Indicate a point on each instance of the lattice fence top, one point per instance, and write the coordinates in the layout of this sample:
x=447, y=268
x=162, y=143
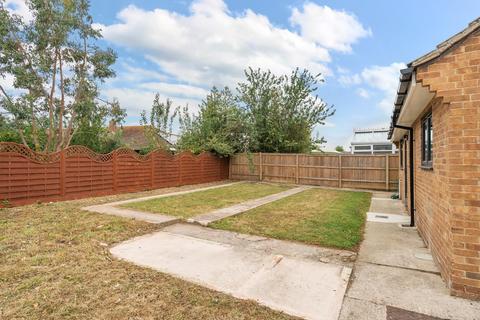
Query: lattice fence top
x=10, y=147
x=82, y=151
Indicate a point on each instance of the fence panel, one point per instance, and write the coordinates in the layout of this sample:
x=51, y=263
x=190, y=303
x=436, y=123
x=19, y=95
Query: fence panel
x=375, y=172
x=77, y=172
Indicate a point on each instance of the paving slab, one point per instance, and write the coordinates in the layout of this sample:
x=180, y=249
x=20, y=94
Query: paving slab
x=394, y=276
x=386, y=205
x=356, y=309
x=421, y=292
x=207, y=218
x=383, y=217
x=266, y=245
x=391, y=245
x=301, y=287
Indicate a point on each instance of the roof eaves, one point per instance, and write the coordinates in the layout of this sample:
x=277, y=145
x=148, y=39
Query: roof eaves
x=406, y=74
x=447, y=44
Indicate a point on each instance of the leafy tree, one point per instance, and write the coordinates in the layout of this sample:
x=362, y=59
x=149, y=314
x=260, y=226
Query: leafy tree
x=158, y=125
x=92, y=131
x=339, y=149
x=282, y=110
x=7, y=131
x=221, y=126
x=56, y=68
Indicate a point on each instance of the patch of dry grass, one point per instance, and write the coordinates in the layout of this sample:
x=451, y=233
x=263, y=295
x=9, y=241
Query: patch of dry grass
x=192, y=204
x=55, y=264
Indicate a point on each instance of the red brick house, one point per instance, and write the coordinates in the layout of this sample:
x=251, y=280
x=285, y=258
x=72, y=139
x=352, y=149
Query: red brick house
x=436, y=126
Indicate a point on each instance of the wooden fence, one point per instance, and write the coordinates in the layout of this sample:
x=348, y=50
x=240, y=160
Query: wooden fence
x=78, y=172
x=375, y=172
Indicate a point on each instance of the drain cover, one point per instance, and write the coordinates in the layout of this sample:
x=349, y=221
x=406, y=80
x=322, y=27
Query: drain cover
x=383, y=217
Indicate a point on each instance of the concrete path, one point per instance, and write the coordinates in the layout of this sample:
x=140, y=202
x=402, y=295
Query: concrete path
x=207, y=218
x=112, y=207
x=285, y=276
x=395, y=277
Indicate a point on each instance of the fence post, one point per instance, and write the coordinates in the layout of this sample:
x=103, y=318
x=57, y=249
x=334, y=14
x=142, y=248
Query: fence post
x=339, y=171
x=152, y=169
x=62, y=173
x=387, y=172
x=230, y=158
x=261, y=166
x=115, y=170
x=296, y=169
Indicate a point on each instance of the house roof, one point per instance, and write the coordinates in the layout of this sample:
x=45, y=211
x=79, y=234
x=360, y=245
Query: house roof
x=407, y=73
x=134, y=137
x=370, y=136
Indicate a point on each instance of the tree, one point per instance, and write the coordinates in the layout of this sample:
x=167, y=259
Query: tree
x=339, y=149
x=56, y=68
x=282, y=110
x=221, y=126
x=158, y=125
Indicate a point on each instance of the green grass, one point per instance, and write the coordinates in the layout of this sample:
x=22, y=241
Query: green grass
x=317, y=216
x=191, y=204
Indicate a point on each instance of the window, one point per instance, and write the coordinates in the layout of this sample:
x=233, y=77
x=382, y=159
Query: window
x=383, y=147
x=368, y=148
x=427, y=146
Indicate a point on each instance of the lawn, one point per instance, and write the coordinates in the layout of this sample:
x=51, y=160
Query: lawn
x=191, y=204
x=55, y=264
x=323, y=217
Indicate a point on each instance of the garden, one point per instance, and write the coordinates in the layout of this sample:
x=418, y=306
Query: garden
x=55, y=251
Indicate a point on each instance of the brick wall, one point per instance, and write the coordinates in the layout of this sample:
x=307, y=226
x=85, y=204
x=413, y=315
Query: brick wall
x=448, y=198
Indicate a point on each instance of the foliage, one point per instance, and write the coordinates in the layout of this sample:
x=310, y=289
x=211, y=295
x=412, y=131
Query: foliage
x=339, y=149
x=282, y=110
x=221, y=126
x=56, y=68
x=158, y=125
x=91, y=130
x=270, y=113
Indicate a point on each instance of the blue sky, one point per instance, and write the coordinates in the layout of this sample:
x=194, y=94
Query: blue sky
x=181, y=48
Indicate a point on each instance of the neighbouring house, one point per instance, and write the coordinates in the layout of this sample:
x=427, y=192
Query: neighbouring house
x=436, y=125
x=136, y=137
x=371, y=141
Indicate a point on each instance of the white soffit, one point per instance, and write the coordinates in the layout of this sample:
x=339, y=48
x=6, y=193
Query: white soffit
x=415, y=103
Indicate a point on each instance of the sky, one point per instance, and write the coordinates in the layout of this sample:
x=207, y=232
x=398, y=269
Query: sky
x=181, y=49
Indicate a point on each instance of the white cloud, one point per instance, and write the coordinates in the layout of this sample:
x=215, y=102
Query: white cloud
x=363, y=93
x=332, y=29
x=7, y=82
x=348, y=80
x=212, y=46
x=20, y=8
x=384, y=78
x=380, y=78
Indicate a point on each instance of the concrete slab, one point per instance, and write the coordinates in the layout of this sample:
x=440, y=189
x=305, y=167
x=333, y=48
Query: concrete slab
x=393, y=269
x=386, y=205
x=300, y=287
x=388, y=244
x=207, y=218
x=266, y=245
x=355, y=309
x=387, y=218
x=412, y=290
x=133, y=214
